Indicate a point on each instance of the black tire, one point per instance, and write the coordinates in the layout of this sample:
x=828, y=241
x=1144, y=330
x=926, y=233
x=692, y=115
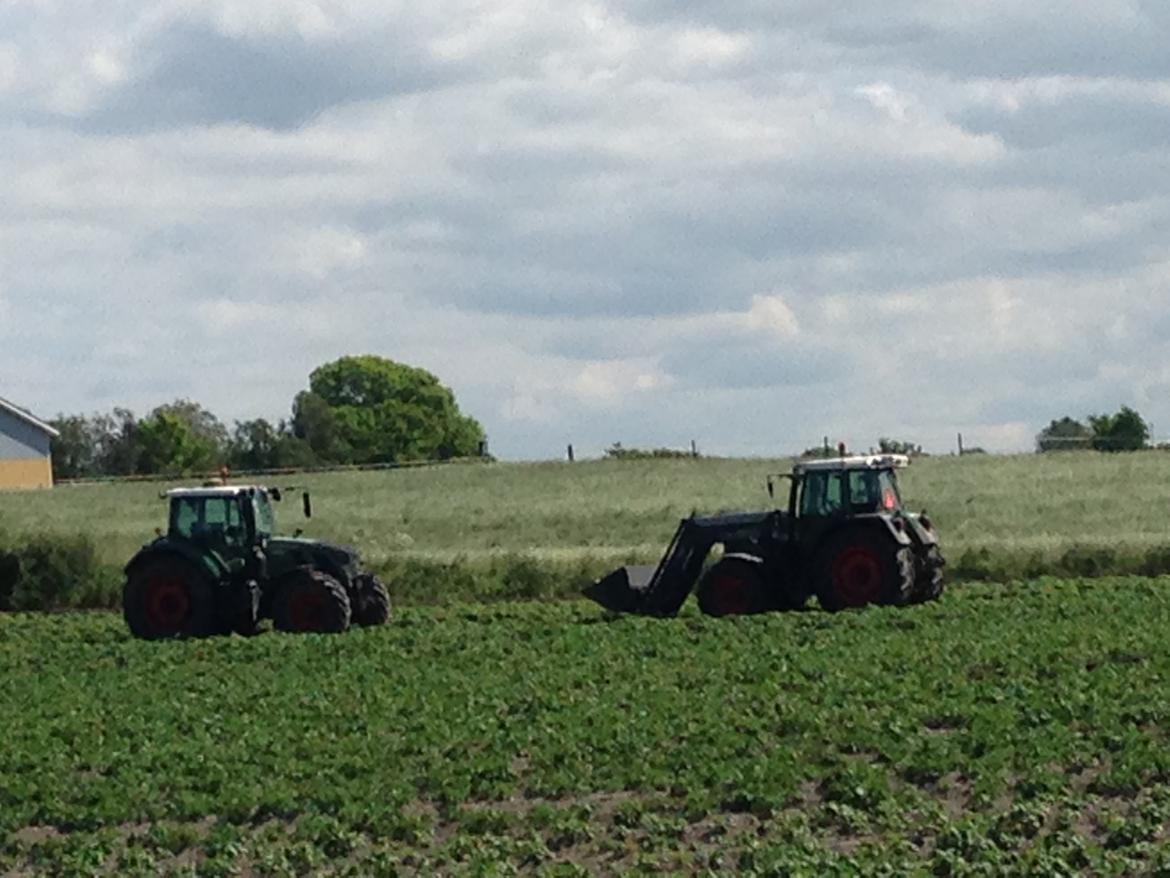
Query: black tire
x=169, y=597
x=862, y=566
x=373, y=601
x=928, y=581
x=734, y=586
x=309, y=601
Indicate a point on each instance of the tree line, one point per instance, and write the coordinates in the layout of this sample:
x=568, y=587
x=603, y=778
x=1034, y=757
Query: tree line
x=1125, y=430
x=357, y=410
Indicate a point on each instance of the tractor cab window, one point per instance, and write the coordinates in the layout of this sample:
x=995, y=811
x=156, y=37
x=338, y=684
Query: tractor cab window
x=265, y=521
x=890, y=499
x=822, y=493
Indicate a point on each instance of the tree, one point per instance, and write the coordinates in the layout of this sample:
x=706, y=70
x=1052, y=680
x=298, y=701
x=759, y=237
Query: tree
x=257, y=445
x=180, y=437
x=1124, y=431
x=74, y=448
x=95, y=445
x=314, y=423
x=1065, y=434
x=384, y=411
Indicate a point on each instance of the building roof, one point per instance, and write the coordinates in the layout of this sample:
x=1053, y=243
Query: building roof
x=27, y=417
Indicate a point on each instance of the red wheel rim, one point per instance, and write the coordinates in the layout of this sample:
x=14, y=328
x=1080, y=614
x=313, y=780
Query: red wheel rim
x=168, y=603
x=731, y=595
x=305, y=608
x=857, y=577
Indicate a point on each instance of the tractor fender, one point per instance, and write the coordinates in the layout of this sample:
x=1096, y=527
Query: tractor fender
x=923, y=535
x=898, y=533
x=210, y=563
x=884, y=522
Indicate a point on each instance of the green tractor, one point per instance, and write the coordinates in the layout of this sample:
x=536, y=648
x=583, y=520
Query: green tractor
x=220, y=568
x=844, y=538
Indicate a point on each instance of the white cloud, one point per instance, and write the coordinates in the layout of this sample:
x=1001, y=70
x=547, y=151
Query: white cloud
x=771, y=314
x=615, y=380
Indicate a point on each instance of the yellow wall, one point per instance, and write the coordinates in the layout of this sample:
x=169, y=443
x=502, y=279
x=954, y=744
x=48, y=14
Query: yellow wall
x=36, y=472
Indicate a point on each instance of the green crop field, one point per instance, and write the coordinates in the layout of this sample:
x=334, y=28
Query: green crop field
x=533, y=530
x=1007, y=729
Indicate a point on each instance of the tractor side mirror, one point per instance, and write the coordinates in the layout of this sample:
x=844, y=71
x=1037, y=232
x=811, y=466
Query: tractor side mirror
x=307, y=504
x=771, y=483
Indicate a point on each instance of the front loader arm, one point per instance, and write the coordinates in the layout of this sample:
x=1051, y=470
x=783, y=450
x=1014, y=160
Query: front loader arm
x=661, y=590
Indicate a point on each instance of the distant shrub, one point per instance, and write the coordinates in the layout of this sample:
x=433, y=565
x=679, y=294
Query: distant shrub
x=896, y=446
x=1065, y=434
x=617, y=452
x=508, y=577
x=1088, y=561
x=48, y=572
x=818, y=452
x=1156, y=561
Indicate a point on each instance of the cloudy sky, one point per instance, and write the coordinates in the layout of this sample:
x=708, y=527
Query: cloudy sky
x=744, y=222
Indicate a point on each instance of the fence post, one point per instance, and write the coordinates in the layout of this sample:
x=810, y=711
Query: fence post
x=960, y=445
x=570, y=452
x=694, y=449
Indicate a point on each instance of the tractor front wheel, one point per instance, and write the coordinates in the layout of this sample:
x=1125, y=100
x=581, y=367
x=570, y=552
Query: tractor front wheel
x=373, y=601
x=857, y=567
x=167, y=597
x=309, y=601
x=732, y=587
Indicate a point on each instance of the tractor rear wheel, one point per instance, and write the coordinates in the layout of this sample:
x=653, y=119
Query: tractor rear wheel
x=858, y=567
x=928, y=583
x=373, y=601
x=168, y=596
x=311, y=601
x=733, y=587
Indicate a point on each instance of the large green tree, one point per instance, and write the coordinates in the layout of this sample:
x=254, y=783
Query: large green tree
x=379, y=411
x=1124, y=431
x=180, y=437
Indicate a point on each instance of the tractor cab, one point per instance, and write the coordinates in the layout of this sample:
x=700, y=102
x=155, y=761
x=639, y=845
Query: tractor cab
x=229, y=520
x=846, y=486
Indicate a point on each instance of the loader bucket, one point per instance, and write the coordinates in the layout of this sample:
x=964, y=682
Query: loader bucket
x=624, y=589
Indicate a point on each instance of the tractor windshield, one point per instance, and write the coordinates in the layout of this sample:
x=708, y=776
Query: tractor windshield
x=212, y=520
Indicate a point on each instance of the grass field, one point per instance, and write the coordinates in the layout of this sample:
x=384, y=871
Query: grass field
x=1005, y=730
x=531, y=530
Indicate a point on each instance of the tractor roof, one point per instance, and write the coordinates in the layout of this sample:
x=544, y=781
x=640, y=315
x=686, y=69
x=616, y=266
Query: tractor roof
x=859, y=461
x=215, y=491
